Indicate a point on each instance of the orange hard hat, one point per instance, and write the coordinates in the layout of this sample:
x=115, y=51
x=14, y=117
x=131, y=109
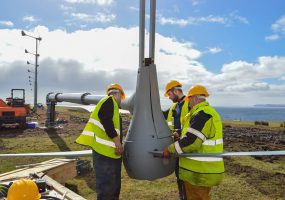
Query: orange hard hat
x=23, y=189
x=171, y=84
x=197, y=90
x=116, y=87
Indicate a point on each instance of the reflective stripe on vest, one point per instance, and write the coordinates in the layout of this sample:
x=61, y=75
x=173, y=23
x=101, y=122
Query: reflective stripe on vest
x=105, y=142
x=177, y=147
x=89, y=133
x=206, y=159
x=99, y=140
x=197, y=133
x=213, y=142
x=97, y=123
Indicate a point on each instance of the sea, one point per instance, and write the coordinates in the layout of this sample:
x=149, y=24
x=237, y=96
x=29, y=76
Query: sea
x=252, y=113
x=274, y=114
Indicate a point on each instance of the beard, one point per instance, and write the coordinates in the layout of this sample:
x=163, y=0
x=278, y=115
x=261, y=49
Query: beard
x=175, y=98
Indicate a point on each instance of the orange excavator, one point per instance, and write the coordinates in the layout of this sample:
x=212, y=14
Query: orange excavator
x=14, y=112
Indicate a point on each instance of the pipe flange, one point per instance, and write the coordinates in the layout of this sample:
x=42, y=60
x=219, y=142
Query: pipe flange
x=83, y=98
x=55, y=97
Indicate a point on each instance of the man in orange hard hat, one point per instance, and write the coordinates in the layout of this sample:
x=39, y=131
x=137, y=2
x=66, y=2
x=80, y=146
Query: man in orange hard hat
x=103, y=133
x=202, y=133
x=174, y=117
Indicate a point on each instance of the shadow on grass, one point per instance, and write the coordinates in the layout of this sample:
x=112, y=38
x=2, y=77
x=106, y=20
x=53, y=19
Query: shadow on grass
x=56, y=139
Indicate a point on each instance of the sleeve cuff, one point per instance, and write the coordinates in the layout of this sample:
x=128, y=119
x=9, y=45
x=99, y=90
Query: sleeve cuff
x=171, y=149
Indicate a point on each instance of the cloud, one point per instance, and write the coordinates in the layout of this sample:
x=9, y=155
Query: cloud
x=279, y=25
x=278, y=28
x=239, y=18
x=196, y=2
x=7, y=23
x=66, y=8
x=134, y=8
x=272, y=37
x=227, y=21
x=99, y=17
x=191, y=20
x=98, y=2
x=214, y=50
x=87, y=61
x=30, y=18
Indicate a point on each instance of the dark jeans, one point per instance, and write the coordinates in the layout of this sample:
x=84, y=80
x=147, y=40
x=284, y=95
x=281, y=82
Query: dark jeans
x=108, y=176
x=180, y=183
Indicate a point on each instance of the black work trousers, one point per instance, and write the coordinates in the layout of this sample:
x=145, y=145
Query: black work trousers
x=180, y=183
x=108, y=176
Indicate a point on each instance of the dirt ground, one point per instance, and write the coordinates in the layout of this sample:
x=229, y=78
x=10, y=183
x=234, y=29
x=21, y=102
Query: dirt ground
x=249, y=138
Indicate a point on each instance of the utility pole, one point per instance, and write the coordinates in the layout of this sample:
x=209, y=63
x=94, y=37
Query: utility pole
x=38, y=39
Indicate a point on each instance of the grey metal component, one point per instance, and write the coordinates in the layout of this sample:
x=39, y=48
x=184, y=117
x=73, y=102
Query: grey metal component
x=141, y=33
x=79, y=98
x=152, y=29
x=250, y=153
x=155, y=153
x=50, y=154
x=148, y=130
x=86, y=99
x=160, y=124
x=145, y=127
x=128, y=103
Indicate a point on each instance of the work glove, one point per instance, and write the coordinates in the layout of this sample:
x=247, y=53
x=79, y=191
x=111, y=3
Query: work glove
x=165, y=153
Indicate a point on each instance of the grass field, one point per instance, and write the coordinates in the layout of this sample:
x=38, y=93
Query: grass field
x=245, y=177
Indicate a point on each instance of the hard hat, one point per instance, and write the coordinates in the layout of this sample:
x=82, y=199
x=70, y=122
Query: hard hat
x=116, y=87
x=198, y=90
x=23, y=189
x=171, y=84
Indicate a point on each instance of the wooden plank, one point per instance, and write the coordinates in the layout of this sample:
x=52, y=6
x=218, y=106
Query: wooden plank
x=35, y=168
x=70, y=195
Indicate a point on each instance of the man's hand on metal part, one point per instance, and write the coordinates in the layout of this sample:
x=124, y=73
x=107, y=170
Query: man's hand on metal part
x=176, y=135
x=118, y=145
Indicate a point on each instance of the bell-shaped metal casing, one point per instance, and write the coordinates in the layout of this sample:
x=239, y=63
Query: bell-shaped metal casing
x=148, y=131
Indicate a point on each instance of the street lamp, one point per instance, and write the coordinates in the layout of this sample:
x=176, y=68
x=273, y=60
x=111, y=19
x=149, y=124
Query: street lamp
x=36, y=67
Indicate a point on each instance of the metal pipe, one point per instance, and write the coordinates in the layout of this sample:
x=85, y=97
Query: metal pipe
x=152, y=30
x=141, y=33
x=78, y=98
x=250, y=153
x=87, y=99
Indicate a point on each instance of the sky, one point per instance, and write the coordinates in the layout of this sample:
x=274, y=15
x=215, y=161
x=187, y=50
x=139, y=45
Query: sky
x=234, y=48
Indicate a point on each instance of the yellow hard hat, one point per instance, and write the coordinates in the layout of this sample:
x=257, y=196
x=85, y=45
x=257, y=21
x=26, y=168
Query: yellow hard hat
x=116, y=87
x=198, y=90
x=23, y=189
x=171, y=84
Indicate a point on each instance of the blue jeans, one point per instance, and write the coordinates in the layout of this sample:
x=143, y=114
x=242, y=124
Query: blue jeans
x=108, y=176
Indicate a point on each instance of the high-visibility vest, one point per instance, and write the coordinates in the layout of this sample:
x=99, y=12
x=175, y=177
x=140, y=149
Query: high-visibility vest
x=204, y=171
x=170, y=118
x=94, y=134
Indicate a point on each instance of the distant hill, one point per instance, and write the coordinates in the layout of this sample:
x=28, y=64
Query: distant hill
x=270, y=105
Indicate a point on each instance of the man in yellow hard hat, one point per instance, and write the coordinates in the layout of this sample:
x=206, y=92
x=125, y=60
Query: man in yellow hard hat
x=103, y=133
x=202, y=133
x=174, y=117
